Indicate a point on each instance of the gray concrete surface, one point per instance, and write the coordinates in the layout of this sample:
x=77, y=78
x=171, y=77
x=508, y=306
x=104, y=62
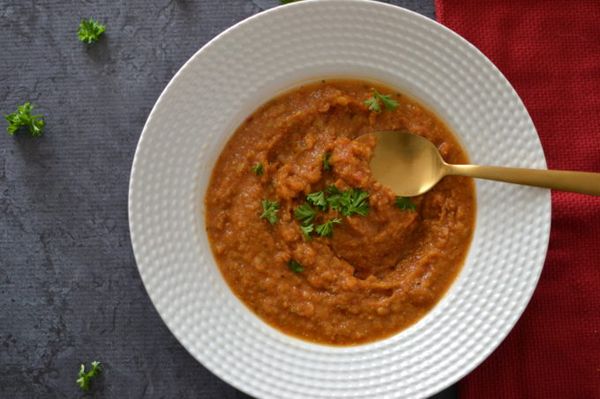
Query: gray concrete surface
x=69, y=288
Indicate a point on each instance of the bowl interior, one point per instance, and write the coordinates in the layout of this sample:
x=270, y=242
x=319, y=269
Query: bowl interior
x=251, y=104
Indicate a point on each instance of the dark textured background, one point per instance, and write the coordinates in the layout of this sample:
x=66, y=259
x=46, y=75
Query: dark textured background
x=69, y=288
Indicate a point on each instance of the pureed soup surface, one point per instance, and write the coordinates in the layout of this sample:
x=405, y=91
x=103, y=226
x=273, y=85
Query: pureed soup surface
x=337, y=267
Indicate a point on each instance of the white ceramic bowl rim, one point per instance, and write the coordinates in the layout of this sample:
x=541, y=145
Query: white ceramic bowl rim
x=250, y=63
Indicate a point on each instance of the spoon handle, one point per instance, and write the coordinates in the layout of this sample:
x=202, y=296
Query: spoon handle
x=563, y=180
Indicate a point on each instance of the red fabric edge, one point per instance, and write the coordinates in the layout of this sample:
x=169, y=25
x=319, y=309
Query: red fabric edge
x=439, y=11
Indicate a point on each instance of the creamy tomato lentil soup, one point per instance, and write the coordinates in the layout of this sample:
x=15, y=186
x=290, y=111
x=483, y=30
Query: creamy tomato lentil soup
x=309, y=241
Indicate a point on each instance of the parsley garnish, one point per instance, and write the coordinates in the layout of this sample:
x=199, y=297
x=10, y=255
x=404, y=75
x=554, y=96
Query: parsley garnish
x=317, y=199
x=350, y=202
x=305, y=214
x=307, y=230
x=374, y=102
x=295, y=266
x=270, y=209
x=258, y=169
x=326, y=229
x=22, y=119
x=326, y=165
x=85, y=378
x=334, y=198
x=405, y=204
x=90, y=31
x=332, y=190
x=388, y=101
x=355, y=201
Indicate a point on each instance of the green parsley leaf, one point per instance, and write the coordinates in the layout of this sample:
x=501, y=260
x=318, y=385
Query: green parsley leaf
x=270, y=209
x=307, y=230
x=85, y=378
x=350, y=202
x=317, y=199
x=326, y=229
x=405, y=203
x=326, y=165
x=333, y=190
x=334, y=197
x=295, y=266
x=90, y=31
x=22, y=119
x=355, y=201
x=374, y=101
x=258, y=169
x=305, y=214
x=387, y=101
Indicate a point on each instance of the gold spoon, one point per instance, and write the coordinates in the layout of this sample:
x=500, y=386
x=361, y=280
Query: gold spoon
x=411, y=165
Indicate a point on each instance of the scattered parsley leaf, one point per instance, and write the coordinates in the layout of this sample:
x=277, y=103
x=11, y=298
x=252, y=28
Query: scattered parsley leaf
x=270, y=209
x=377, y=98
x=373, y=104
x=90, y=31
x=350, y=202
x=405, y=203
x=334, y=197
x=355, y=201
x=22, y=119
x=258, y=169
x=295, y=266
x=305, y=214
x=85, y=378
x=331, y=189
x=317, y=199
x=387, y=101
x=307, y=230
x=326, y=165
x=326, y=229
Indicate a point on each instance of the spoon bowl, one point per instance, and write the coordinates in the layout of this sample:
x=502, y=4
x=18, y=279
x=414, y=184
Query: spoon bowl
x=411, y=165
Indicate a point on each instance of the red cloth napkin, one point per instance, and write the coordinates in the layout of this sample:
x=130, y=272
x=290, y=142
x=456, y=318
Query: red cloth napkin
x=550, y=52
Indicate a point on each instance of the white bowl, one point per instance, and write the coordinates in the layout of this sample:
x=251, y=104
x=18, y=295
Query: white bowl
x=247, y=65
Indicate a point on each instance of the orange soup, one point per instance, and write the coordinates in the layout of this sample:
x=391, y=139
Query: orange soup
x=310, y=241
